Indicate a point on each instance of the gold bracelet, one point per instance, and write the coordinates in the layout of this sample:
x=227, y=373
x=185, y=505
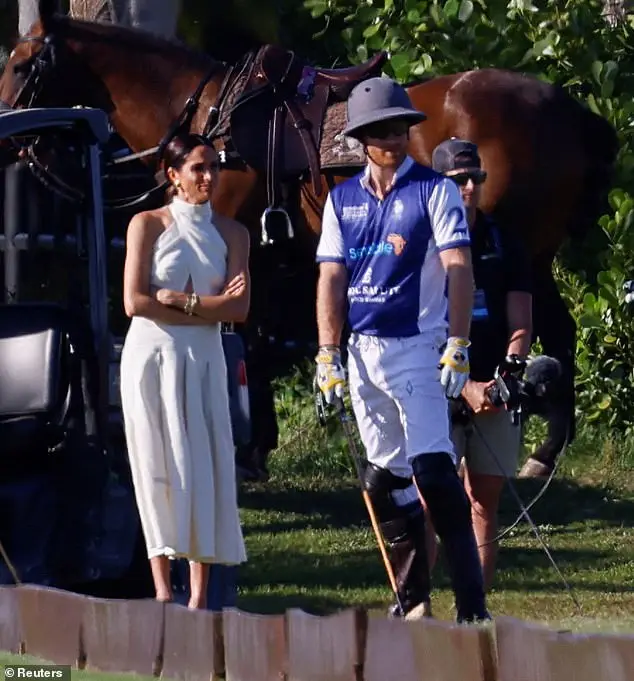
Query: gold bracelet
x=193, y=299
x=188, y=305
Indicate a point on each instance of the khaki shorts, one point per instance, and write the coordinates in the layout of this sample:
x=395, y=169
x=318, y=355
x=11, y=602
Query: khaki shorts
x=501, y=436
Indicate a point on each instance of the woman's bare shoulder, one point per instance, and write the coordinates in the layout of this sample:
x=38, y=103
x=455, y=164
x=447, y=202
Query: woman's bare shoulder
x=150, y=222
x=232, y=231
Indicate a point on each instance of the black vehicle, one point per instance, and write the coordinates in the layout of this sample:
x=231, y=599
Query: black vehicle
x=68, y=517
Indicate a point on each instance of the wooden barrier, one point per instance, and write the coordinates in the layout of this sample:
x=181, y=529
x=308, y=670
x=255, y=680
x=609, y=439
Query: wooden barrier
x=122, y=636
x=335, y=652
x=51, y=622
x=171, y=642
x=192, y=644
x=10, y=628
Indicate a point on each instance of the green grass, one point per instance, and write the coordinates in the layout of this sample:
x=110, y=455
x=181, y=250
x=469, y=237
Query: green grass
x=310, y=544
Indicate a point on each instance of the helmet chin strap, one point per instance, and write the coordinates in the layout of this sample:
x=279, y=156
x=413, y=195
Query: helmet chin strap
x=380, y=164
x=384, y=165
x=374, y=160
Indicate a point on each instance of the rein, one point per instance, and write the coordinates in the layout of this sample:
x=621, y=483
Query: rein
x=46, y=60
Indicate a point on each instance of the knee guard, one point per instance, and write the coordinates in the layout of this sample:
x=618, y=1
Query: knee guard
x=379, y=484
x=403, y=529
x=450, y=512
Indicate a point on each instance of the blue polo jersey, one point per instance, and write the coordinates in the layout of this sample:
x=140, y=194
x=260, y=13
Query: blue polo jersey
x=397, y=285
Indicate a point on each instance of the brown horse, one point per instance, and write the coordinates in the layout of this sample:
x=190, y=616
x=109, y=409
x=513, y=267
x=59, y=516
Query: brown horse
x=549, y=160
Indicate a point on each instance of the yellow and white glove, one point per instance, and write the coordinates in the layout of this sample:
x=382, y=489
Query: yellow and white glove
x=331, y=376
x=454, y=366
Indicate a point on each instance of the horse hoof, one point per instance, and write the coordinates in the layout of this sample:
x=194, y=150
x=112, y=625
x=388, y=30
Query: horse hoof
x=535, y=469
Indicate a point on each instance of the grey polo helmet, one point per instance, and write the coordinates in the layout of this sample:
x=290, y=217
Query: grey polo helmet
x=376, y=100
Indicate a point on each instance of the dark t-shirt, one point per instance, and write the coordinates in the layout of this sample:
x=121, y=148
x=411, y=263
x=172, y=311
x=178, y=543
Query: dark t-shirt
x=500, y=265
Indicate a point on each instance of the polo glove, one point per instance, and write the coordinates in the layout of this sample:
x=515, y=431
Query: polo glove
x=454, y=366
x=331, y=376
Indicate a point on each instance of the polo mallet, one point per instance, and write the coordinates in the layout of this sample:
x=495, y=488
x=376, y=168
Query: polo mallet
x=7, y=560
x=346, y=423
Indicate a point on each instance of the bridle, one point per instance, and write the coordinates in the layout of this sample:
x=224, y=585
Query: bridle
x=46, y=60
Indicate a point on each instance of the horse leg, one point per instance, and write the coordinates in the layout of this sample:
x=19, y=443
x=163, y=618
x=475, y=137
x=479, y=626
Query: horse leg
x=556, y=329
x=252, y=460
x=240, y=194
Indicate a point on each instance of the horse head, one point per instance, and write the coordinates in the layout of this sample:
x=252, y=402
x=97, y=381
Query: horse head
x=43, y=70
x=140, y=81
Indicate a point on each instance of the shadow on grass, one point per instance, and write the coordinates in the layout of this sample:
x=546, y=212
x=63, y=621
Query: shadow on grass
x=564, y=503
x=298, y=570
x=336, y=508
x=518, y=568
x=277, y=604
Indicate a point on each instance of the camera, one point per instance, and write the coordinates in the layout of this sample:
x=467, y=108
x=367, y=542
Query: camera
x=509, y=388
x=526, y=385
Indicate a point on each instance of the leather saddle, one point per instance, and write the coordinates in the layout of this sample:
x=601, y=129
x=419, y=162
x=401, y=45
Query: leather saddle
x=276, y=121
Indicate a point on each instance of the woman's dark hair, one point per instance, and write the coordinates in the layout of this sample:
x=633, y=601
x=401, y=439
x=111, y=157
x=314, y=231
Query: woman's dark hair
x=176, y=153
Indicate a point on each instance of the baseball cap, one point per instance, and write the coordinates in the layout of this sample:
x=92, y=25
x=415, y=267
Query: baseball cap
x=455, y=153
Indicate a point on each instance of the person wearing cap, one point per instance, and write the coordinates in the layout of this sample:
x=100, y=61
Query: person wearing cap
x=485, y=440
x=395, y=251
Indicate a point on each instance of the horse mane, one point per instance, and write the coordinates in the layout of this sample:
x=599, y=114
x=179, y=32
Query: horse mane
x=134, y=39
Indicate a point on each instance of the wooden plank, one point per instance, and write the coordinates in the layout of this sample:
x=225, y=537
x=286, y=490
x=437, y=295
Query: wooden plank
x=522, y=650
x=51, y=623
x=254, y=646
x=445, y=651
x=324, y=648
x=193, y=643
x=10, y=624
x=591, y=657
x=389, y=651
x=123, y=636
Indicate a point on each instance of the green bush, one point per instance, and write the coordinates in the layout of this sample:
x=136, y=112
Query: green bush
x=605, y=344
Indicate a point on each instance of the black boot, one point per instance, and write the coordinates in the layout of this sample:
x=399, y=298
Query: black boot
x=450, y=513
x=405, y=539
x=461, y=551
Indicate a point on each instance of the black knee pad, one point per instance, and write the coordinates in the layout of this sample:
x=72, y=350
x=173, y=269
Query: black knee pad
x=380, y=483
x=443, y=492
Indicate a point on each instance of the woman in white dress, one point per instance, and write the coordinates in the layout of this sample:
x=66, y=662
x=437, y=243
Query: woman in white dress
x=186, y=271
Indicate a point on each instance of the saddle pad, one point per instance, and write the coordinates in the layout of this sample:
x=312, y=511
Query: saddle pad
x=337, y=150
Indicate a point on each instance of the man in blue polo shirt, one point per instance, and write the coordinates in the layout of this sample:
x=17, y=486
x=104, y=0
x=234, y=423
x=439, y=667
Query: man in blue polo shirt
x=395, y=247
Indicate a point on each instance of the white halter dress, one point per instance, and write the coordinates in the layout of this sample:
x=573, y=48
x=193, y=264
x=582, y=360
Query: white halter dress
x=176, y=406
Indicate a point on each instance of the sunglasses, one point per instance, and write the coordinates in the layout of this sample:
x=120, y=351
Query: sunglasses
x=385, y=129
x=476, y=176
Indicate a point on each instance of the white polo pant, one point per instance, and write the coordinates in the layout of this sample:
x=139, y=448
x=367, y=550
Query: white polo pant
x=399, y=404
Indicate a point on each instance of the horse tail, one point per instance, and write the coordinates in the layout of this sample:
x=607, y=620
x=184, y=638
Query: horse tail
x=600, y=141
